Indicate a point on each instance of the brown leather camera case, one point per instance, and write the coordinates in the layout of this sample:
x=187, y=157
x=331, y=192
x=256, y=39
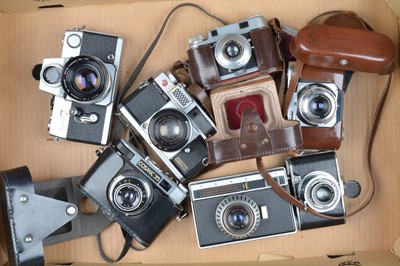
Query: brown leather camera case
x=254, y=138
x=204, y=71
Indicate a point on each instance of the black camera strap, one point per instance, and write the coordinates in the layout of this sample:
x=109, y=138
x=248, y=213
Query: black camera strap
x=127, y=245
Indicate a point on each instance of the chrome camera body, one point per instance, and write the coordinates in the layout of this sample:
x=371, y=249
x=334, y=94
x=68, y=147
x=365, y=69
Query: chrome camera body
x=83, y=83
x=171, y=122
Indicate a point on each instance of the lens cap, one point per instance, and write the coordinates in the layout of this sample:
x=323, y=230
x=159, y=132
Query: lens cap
x=352, y=189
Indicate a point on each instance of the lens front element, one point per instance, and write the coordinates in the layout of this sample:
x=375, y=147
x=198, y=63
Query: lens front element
x=169, y=130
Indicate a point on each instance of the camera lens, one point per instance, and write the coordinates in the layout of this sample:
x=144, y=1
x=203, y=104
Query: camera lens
x=320, y=190
x=86, y=79
x=237, y=216
x=317, y=104
x=169, y=130
x=233, y=51
x=129, y=194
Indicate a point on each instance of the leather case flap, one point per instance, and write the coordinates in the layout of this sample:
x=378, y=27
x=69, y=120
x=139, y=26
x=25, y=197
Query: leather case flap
x=344, y=48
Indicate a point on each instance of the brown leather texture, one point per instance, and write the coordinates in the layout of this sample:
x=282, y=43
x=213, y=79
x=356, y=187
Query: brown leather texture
x=344, y=48
x=341, y=18
x=322, y=138
x=323, y=75
x=266, y=50
x=203, y=67
x=254, y=138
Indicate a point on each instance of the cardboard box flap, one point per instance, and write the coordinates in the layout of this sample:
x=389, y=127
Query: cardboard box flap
x=394, y=5
x=375, y=258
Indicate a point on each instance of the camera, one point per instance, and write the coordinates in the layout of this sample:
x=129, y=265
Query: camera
x=315, y=181
x=317, y=103
x=233, y=53
x=83, y=83
x=132, y=191
x=171, y=122
x=240, y=207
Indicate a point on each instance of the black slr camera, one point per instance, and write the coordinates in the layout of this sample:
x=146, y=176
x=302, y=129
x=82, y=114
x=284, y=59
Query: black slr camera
x=133, y=192
x=240, y=208
x=83, y=84
x=233, y=53
x=315, y=180
x=171, y=122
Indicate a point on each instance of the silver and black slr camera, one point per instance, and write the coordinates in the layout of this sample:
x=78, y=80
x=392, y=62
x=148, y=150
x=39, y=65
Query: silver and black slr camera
x=171, y=122
x=315, y=180
x=132, y=191
x=84, y=83
x=233, y=52
x=240, y=208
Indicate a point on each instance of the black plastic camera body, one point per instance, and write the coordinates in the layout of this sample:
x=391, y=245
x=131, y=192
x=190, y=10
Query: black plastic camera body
x=83, y=83
x=171, y=122
x=315, y=180
x=241, y=207
x=133, y=192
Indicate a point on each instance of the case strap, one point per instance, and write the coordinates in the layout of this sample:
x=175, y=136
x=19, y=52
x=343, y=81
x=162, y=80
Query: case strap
x=294, y=79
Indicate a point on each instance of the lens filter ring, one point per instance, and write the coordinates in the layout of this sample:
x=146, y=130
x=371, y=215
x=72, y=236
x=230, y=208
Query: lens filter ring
x=169, y=130
x=320, y=191
x=237, y=216
x=86, y=79
x=233, y=51
x=129, y=194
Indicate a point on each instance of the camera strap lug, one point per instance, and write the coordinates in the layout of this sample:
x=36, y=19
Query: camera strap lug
x=184, y=213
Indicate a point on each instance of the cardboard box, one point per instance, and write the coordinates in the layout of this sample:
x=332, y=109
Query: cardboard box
x=29, y=34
